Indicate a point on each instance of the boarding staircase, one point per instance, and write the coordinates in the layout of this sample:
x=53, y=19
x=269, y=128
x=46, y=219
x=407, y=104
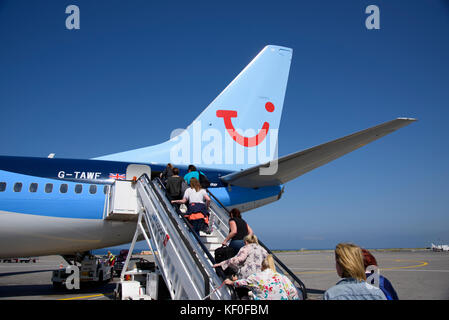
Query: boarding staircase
x=222, y=214
x=183, y=258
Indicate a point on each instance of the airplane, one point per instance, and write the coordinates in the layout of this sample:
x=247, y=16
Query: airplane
x=55, y=206
x=440, y=247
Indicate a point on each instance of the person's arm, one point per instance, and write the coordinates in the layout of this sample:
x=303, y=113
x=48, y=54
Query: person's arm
x=207, y=198
x=250, y=231
x=184, y=200
x=232, y=232
x=235, y=261
x=230, y=282
x=251, y=282
x=389, y=288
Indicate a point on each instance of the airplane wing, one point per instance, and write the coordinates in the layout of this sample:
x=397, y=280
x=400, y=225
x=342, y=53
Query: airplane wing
x=299, y=163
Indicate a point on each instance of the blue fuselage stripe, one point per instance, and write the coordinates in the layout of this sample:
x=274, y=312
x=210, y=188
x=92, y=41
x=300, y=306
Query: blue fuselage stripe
x=82, y=205
x=85, y=205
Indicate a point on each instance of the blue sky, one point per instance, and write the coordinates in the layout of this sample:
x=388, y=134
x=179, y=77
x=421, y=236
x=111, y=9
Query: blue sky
x=138, y=69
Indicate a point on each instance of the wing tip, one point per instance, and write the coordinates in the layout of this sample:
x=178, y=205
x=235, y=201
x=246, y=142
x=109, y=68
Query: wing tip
x=407, y=119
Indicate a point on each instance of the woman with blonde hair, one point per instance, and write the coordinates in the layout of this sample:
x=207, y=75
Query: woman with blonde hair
x=267, y=284
x=249, y=258
x=350, y=267
x=247, y=261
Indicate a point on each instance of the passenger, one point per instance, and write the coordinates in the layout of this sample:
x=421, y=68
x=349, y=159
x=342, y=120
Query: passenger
x=350, y=267
x=198, y=208
x=167, y=173
x=248, y=260
x=267, y=284
x=238, y=229
x=192, y=172
x=175, y=186
x=384, y=283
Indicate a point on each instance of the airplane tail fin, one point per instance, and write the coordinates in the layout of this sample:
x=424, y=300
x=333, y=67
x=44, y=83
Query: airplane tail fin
x=255, y=96
x=238, y=129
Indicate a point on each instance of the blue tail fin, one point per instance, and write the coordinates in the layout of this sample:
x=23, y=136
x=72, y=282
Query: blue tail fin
x=238, y=129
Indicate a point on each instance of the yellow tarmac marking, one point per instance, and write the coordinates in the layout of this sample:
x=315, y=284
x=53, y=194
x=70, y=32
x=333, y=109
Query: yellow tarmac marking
x=86, y=297
x=422, y=264
x=315, y=272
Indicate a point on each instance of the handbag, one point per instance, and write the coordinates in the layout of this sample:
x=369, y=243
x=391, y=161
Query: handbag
x=183, y=208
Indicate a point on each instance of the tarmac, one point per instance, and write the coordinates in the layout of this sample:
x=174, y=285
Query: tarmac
x=416, y=274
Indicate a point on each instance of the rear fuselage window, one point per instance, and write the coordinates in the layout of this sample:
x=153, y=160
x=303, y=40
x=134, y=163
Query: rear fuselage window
x=33, y=187
x=64, y=187
x=93, y=189
x=105, y=189
x=78, y=188
x=49, y=188
x=17, y=187
x=2, y=186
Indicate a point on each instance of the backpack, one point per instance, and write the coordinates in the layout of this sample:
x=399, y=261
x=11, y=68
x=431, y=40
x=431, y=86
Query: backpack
x=224, y=253
x=204, y=182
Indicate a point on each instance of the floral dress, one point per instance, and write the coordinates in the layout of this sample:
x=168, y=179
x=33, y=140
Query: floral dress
x=249, y=260
x=269, y=285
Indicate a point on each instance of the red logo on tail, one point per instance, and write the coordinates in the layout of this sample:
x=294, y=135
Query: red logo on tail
x=227, y=115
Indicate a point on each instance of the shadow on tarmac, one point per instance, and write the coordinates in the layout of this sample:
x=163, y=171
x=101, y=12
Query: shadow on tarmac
x=47, y=290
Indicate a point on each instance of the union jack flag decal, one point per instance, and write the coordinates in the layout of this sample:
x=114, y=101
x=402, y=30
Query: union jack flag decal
x=117, y=176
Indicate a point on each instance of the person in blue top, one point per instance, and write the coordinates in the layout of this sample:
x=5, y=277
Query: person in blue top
x=384, y=284
x=192, y=172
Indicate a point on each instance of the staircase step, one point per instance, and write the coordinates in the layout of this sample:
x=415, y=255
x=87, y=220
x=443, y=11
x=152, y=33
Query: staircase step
x=207, y=239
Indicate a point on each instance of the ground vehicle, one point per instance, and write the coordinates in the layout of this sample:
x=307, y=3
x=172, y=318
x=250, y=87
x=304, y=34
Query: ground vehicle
x=91, y=269
x=142, y=282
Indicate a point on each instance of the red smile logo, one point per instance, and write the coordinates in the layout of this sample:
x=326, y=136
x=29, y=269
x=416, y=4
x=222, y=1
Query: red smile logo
x=227, y=115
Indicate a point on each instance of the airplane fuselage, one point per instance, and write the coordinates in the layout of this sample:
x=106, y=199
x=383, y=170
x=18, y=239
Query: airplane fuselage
x=58, y=206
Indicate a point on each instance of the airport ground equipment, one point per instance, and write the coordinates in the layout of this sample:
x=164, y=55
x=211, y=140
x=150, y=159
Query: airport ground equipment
x=91, y=269
x=183, y=260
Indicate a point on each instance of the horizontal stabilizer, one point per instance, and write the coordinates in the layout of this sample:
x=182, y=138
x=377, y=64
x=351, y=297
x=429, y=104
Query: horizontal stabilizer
x=299, y=163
